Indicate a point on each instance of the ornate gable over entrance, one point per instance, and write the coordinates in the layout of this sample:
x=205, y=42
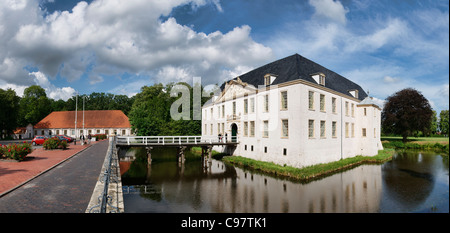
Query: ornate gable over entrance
x=235, y=88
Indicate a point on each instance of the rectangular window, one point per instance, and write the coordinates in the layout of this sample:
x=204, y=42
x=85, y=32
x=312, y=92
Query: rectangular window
x=267, y=80
x=284, y=151
x=252, y=128
x=322, y=103
x=322, y=80
x=211, y=129
x=218, y=128
x=285, y=125
x=333, y=104
x=266, y=103
x=322, y=129
x=65, y=132
x=245, y=129
x=265, y=149
x=311, y=100
x=212, y=116
x=245, y=106
x=353, y=130
x=346, y=108
x=333, y=129
x=364, y=132
x=251, y=147
x=284, y=103
x=311, y=129
x=252, y=105
x=266, y=129
x=223, y=110
x=374, y=132
x=123, y=132
x=346, y=129
x=223, y=128
x=353, y=110
x=234, y=108
x=365, y=112
x=245, y=147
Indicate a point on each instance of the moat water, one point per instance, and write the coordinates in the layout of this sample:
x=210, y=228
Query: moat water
x=411, y=182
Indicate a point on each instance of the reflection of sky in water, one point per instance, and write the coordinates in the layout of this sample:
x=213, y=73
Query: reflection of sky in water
x=410, y=183
x=415, y=182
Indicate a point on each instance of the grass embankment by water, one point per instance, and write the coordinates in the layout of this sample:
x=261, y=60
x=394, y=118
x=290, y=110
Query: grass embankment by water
x=438, y=144
x=310, y=172
x=306, y=173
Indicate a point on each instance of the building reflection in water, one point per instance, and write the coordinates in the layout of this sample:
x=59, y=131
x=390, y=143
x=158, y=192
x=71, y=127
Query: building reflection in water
x=222, y=188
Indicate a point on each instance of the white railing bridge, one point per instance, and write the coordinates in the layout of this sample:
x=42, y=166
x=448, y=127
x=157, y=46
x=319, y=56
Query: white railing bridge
x=175, y=140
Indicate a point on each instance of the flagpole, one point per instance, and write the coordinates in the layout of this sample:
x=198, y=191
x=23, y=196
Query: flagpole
x=76, y=110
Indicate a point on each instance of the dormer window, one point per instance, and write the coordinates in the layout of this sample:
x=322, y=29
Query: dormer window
x=319, y=78
x=354, y=93
x=268, y=79
x=322, y=80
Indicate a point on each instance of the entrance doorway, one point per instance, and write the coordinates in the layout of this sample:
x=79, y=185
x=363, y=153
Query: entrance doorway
x=234, y=132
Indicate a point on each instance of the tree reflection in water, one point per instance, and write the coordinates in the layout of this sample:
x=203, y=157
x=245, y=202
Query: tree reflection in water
x=402, y=185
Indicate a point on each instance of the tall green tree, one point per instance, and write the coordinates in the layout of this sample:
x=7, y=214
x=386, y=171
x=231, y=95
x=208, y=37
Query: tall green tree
x=405, y=112
x=151, y=111
x=444, y=122
x=9, y=110
x=434, y=123
x=34, y=105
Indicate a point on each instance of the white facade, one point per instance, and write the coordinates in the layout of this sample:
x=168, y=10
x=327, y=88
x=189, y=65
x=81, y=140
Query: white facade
x=292, y=128
x=72, y=133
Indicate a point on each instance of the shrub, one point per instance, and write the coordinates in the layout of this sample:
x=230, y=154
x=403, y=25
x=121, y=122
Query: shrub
x=15, y=151
x=99, y=136
x=54, y=143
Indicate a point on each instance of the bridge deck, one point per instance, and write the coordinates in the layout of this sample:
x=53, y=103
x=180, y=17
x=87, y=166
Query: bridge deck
x=176, y=141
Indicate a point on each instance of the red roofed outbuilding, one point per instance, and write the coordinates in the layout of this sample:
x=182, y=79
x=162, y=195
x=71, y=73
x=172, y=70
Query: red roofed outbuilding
x=95, y=122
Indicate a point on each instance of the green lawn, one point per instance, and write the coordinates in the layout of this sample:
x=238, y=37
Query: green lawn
x=443, y=140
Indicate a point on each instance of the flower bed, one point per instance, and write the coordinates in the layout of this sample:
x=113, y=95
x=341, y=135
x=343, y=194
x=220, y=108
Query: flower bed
x=55, y=143
x=16, y=152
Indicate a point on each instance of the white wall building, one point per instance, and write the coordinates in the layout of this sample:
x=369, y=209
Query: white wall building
x=93, y=122
x=294, y=112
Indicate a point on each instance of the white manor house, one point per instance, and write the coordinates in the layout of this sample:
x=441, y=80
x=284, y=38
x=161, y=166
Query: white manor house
x=294, y=112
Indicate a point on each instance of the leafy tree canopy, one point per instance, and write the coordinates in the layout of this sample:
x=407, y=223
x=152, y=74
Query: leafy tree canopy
x=405, y=112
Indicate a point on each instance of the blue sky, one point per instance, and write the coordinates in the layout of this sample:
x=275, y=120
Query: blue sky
x=118, y=46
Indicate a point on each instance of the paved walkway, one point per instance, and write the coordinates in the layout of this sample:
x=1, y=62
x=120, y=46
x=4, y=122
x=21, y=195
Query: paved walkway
x=64, y=183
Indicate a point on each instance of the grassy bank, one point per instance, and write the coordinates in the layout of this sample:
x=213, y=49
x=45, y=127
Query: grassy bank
x=311, y=172
x=419, y=143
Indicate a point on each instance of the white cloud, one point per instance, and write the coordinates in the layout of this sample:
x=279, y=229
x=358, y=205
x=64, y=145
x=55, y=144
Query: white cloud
x=122, y=36
x=330, y=9
x=52, y=92
x=389, y=79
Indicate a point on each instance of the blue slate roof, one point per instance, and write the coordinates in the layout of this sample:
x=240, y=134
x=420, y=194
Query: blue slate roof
x=298, y=67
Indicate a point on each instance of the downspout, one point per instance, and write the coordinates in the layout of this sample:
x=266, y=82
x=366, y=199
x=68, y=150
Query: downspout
x=342, y=126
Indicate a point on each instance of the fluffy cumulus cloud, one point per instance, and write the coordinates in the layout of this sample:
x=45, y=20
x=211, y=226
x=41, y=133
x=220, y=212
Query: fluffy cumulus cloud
x=110, y=37
x=53, y=92
x=329, y=9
